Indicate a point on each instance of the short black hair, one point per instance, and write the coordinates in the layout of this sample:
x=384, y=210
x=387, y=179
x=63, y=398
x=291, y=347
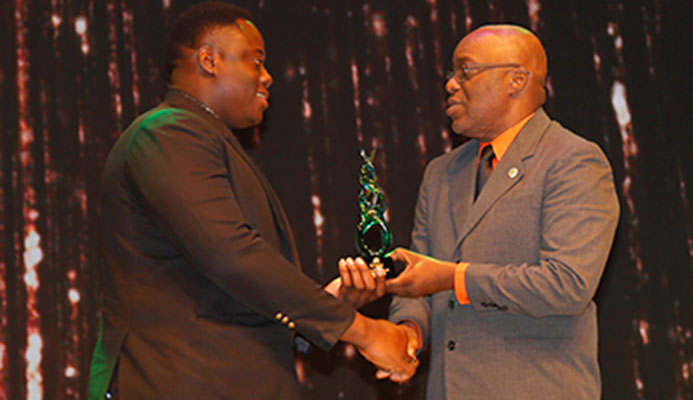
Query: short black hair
x=196, y=21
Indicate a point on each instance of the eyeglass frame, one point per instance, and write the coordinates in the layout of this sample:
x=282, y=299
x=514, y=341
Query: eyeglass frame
x=483, y=67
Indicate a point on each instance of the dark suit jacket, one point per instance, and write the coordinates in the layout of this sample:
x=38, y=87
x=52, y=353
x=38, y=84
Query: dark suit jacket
x=202, y=282
x=537, y=239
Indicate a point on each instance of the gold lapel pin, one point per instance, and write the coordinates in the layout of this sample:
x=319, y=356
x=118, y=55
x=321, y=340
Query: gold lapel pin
x=512, y=172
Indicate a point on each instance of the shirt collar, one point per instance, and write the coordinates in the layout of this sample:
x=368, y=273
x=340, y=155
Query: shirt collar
x=501, y=143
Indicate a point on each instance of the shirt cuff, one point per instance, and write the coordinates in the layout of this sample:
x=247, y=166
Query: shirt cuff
x=460, y=287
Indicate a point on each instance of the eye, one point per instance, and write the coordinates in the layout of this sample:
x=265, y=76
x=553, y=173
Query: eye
x=258, y=63
x=464, y=72
x=460, y=74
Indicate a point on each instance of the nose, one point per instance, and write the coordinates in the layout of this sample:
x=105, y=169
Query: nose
x=266, y=78
x=451, y=86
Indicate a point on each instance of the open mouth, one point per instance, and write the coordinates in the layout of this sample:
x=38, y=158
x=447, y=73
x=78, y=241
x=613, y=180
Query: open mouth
x=262, y=95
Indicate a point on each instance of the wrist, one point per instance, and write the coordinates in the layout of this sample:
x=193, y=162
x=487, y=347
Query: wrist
x=359, y=331
x=451, y=269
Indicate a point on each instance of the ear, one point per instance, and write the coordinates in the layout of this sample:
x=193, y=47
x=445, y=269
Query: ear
x=206, y=58
x=519, y=79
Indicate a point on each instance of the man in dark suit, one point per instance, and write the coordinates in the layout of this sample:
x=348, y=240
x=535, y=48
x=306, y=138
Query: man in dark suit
x=203, y=291
x=511, y=235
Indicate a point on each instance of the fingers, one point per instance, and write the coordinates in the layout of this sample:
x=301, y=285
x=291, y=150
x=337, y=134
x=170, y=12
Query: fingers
x=358, y=275
x=380, y=288
x=399, y=377
x=406, y=370
x=408, y=282
x=344, y=273
x=382, y=374
x=334, y=287
x=358, y=283
x=398, y=286
x=365, y=274
x=399, y=254
x=412, y=347
x=414, y=340
x=401, y=363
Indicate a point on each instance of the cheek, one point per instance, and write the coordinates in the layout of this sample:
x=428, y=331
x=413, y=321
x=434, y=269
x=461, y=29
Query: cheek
x=241, y=82
x=483, y=99
x=475, y=100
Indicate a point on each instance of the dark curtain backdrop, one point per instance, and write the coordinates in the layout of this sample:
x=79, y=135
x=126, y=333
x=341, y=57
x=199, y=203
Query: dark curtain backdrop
x=348, y=74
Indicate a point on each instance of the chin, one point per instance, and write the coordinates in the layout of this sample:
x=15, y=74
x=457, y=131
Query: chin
x=249, y=122
x=257, y=120
x=459, y=129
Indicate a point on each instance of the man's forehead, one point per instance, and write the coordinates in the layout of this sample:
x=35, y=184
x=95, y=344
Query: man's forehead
x=243, y=31
x=242, y=27
x=485, y=42
x=246, y=25
x=470, y=48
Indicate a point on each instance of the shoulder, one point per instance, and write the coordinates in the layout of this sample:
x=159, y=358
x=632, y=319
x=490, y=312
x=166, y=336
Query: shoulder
x=567, y=155
x=559, y=148
x=165, y=134
x=558, y=137
x=165, y=118
x=166, y=126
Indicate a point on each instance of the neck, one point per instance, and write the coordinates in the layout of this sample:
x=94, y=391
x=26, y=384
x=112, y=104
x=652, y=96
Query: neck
x=196, y=98
x=516, y=115
x=508, y=122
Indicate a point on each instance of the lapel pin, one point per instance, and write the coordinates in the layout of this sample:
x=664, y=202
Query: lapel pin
x=512, y=172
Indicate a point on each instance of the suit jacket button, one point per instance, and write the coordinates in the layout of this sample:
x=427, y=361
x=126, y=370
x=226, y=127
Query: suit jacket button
x=503, y=308
x=451, y=345
x=451, y=304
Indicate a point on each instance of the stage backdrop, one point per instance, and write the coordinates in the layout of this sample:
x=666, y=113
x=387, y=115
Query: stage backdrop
x=347, y=75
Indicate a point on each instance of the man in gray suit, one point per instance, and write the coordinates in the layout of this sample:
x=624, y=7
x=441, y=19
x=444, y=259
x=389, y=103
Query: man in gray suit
x=511, y=234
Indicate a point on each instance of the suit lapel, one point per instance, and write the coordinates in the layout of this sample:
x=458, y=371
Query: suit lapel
x=507, y=174
x=461, y=180
x=278, y=214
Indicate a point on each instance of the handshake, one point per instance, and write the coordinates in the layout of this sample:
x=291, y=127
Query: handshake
x=390, y=347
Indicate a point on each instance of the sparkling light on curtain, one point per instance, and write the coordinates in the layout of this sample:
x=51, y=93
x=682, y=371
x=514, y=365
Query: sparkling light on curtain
x=347, y=75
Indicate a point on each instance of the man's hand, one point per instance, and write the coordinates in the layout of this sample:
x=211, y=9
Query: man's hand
x=391, y=348
x=413, y=346
x=357, y=284
x=422, y=276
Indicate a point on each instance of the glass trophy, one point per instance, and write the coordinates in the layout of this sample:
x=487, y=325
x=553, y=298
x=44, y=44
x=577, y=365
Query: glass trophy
x=373, y=236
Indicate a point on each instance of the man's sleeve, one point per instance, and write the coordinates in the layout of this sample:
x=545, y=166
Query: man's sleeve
x=176, y=167
x=579, y=216
x=416, y=310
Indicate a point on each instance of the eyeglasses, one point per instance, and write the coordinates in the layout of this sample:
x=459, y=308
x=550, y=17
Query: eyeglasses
x=464, y=73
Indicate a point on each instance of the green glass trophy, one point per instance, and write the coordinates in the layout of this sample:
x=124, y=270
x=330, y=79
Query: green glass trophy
x=373, y=235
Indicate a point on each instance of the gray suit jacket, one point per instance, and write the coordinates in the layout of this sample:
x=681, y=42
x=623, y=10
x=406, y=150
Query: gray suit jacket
x=537, y=239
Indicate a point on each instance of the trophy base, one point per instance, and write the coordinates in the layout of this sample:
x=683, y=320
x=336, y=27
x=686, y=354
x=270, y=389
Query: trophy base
x=392, y=268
